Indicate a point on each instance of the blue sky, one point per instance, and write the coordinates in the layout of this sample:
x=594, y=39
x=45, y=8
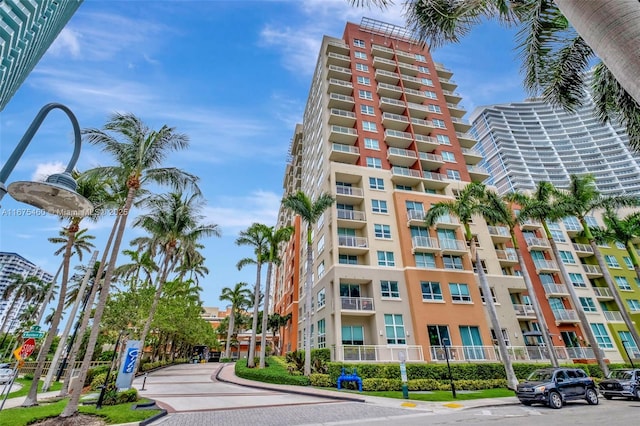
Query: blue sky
x=233, y=75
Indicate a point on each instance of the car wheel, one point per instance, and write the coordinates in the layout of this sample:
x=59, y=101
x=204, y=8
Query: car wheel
x=637, y=393
x=591, y=396
x=608, y=397
x=555, y=400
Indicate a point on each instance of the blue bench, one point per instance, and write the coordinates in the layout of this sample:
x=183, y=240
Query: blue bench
x=349, y=377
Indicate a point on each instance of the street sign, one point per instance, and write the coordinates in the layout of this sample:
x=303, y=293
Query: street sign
x=28, y=347
x=33, y=333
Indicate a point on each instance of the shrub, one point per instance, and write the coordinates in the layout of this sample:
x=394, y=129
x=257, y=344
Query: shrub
x=321, y=380
x=274, y=373
x=323, y=354
x=423, y=384
x=295, y=361
x=92, y=372
x=373, y=385
x=130, y=395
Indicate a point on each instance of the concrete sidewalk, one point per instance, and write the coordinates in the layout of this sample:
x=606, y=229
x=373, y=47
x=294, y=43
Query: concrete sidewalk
x=16, y=402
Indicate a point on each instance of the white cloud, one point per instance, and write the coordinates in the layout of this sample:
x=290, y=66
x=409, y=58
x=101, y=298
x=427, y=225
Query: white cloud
x=234, y=214
x=44, y=170
x=67, y=43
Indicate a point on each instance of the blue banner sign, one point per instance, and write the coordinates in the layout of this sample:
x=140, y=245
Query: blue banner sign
x=127, y=367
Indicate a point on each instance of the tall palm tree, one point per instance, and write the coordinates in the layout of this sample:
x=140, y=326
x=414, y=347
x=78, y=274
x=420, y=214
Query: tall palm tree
x=310, y=212
x=275, y=238
x=239, y=298
x=468, y=203
x=139, y=155
x=174, y=223
x=255, y=236
x=542, y=207
x=22, y=288
x=276, y=322
x=579, y=200
x=141, y=261
x=498, y=210
x=621, y=230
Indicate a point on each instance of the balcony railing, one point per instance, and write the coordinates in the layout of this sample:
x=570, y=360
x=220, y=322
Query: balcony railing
x=349, y=241
x=499, y=231
x=457, y=245
x=565, y=315
x=463, y=353
x=357, y=304
x=507, y=254
x=545, y=264
x=516, y=353
x=603, y=292
x=403, y=171
x=377, y=353
x=537, y=242
x=348, y=190
x=401, y=152
x=415, y=214
x=524, y=310
x=613, y=316
x=584, y=248
x=350, y=214
x=555, y=288
x=424, y=242
x=592, y=269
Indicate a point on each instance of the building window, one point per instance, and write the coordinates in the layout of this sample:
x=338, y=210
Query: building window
x=628, y=262
x=443, y=139
x=453, y=175
x=394, y=327
x=322, y=338
x=434, y=108
x=369, y=126
x=592, y=222
x=601, y=335
x=452, y=262
x=404, y=187
x=577, y=280
x=364, y=80
x=425, y=260
x=424, y=69
x=612, y=262
x=385, y=258
x=358, y=43
x=427, y=81
x=382, y=231
x=321, y=244
x=448, y=156
x=567, y=257
x=587, y=304
x=367, y=109
x=371, y=143
x=352, y=335
x=322, y=299
x=493, y=296
x=376, y=183
x=620, y=245
x=431, y=291
x=627, y=340
x=374, y=162
x=420, y=58
x=389, y=289
x=348, y=259
x=365, y=94
x=505, y=336
x=459, y=292
x=359, y=55
x=634, y=305
x=623, y=284
x=438, y=123
x=430, y=94
x=379, y=206
x=362, y=67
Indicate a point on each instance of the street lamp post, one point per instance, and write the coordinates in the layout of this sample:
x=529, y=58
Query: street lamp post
x=57, y=195
x=113, y=358
x=624, y=345
x=446, y=355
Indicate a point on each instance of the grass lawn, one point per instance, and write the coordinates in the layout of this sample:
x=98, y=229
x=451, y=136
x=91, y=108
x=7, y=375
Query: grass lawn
x=26, y=384
x=442, y=395
x=112, y=414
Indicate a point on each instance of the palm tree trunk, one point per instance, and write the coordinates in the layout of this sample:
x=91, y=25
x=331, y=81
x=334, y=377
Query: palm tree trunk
x=265, y=314
x=254, y=327
x=308, y=288
x=75, y=348
x=612, y=30
x=32, y=397
x=232, y=320
x=47, y=298
x=575, y=300
x=72, y=406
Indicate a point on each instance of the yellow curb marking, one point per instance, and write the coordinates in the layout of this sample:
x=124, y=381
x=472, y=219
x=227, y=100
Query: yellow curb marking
x=453, y=405
x=408, y=404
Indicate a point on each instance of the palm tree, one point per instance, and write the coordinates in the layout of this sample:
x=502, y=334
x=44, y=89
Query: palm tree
x=174, y=223
x=468, y=203
x=497, y=210
x=139, y=156
x=239, y=298
x=302, y=205
x=541, y=206
x=579, y=201
x=23, y=289
x=255, y=236
x=620, y=230
x=276, y=322
x=274, y=240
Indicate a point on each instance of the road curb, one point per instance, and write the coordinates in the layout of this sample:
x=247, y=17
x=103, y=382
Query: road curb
x=152, y=419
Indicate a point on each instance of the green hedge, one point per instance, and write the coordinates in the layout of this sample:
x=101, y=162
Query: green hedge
x=275, y=372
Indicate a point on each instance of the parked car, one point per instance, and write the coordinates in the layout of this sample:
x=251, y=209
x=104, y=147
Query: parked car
x=6, y=374
x=555, y=386
x=624, y=382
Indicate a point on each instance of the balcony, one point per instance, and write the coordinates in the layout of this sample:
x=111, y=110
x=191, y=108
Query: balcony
x=613, y=316
x=602, y=293
x=443, y=71
x=546, y=265
x=340, y=117
x=424, y=245
x=507, y=257
x=395, y=121
x=499, y=234
x=397, y=138
x=408, y=69
x=456, y=110
x=422, y=126
x=529, y=225
x=447, y=84
x=447, y=222
x=340, y=73
x=460, y=125
x=411, y=82
x=433, y=180
x=566, y=316
x=405, y=57
x=463, y=353
x=381, y=51
x=426, y=143
x=592, y=271
x=415, y=217
x=555, y=290
x=343, y=102
x=572, y=227
x=338, y=59
x=471, y=156
x=524, y=311
x=453, y=97
x=344, y=135
x=583, y=250
x=454, y=247
x=478, y=173
x=431, y=162
x=350, y=218
x=417, y=110
x=401, y=157
x=380, y=63
x=391, y=105
x=349, y=195
x=466, y=140
x=377, y=353
x=383, y=76
x=414, y=95
x=405, y=176
x=348, y=244
x=389, y=91
x=357, y=305
x=537, y=243
x=337, y=47
x=340, y=86
x=344, y=153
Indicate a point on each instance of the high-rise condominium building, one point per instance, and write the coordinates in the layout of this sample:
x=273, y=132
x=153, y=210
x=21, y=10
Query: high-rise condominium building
x=383, y=133
x=527, y=142
x=10, y=264
x=27, y=29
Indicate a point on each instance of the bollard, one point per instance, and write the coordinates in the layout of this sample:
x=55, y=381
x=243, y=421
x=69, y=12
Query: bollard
x=144, y=381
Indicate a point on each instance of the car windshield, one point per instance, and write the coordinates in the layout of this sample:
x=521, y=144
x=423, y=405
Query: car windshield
x=620, y=375
x=540, y=376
